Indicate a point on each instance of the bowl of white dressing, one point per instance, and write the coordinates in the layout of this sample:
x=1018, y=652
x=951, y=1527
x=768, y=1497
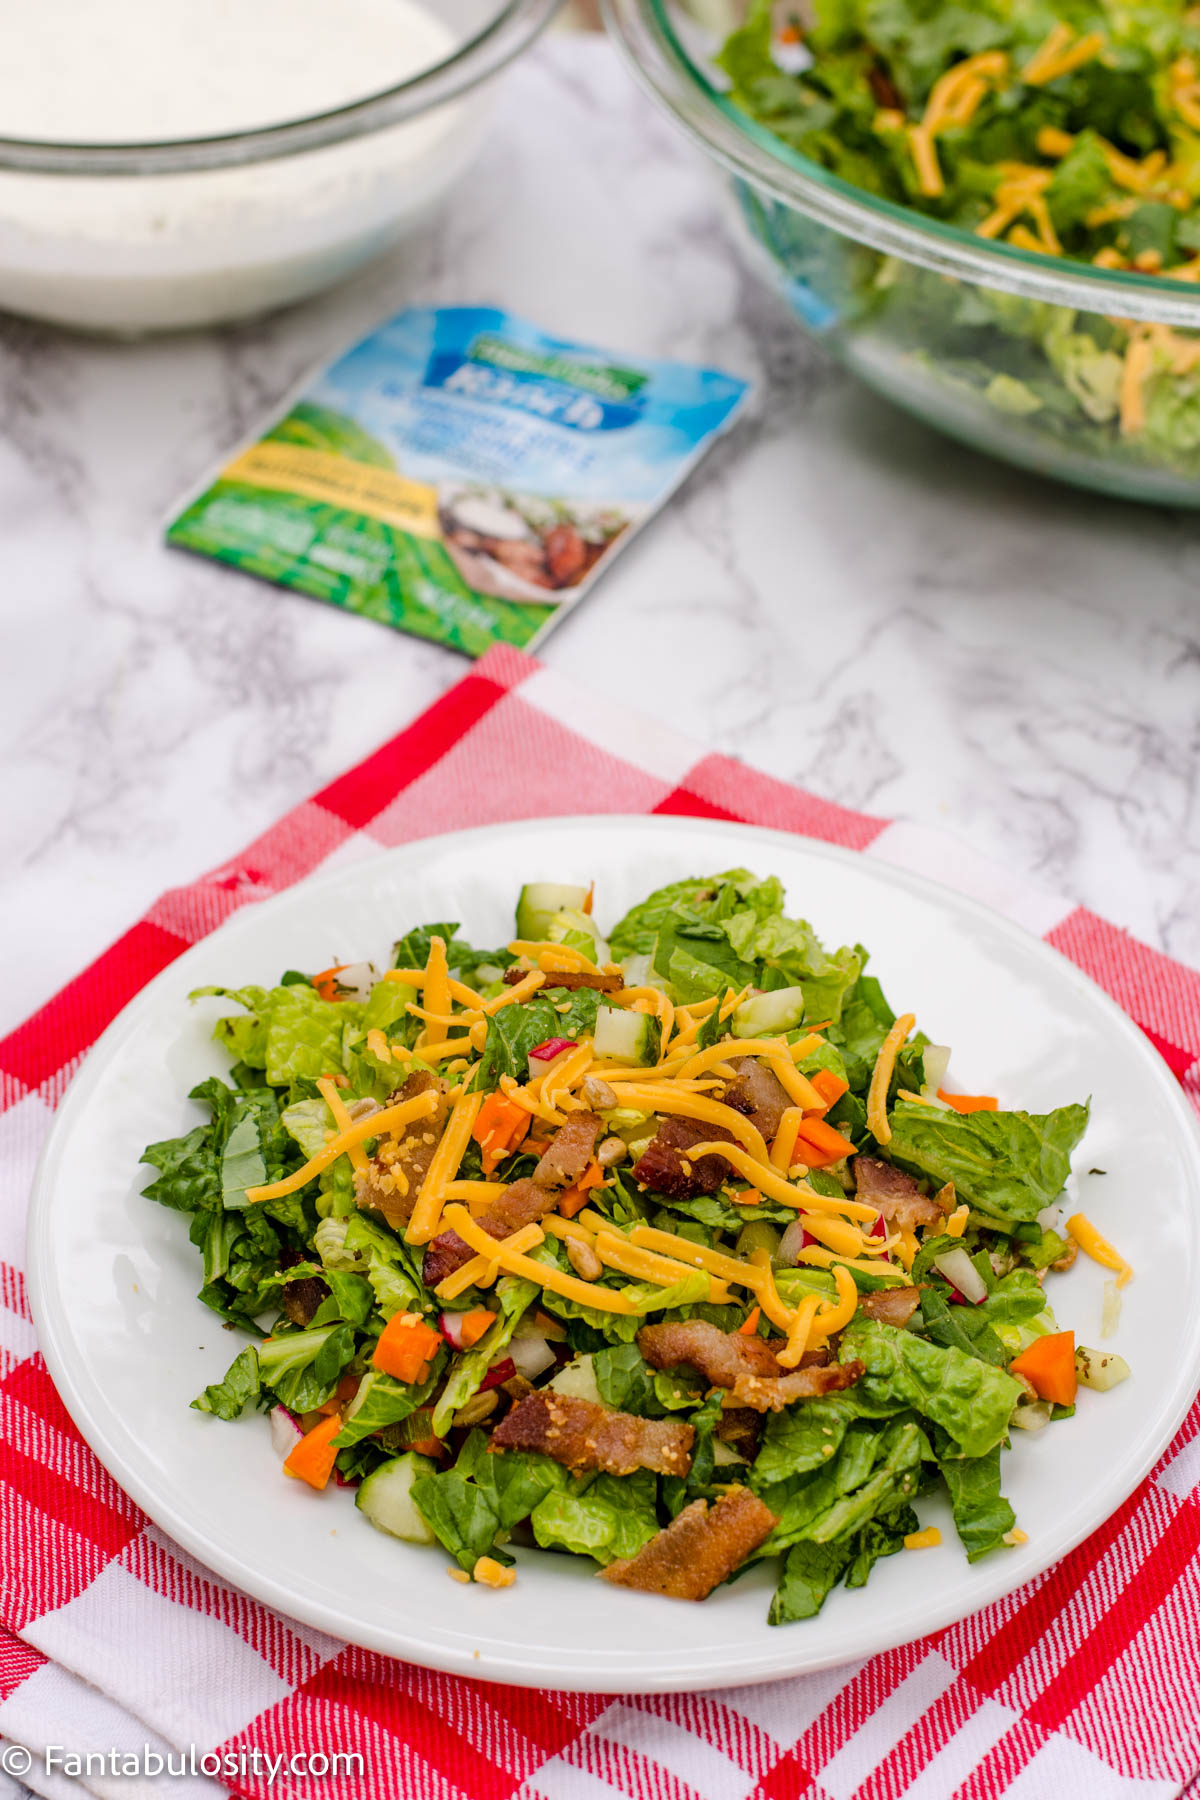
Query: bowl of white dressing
x=173, y=163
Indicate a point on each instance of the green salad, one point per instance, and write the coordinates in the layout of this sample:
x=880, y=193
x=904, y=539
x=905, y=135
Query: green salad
x=673, y=1250
x=1071, y=130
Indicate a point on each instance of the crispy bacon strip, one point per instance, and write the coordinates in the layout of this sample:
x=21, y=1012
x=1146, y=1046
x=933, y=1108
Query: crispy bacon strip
x=521, y=1204
x=896, y=1195
x=721, y=1357
x=747, y=1366
x=570, y=979
x=891, y=1305
x=526, y=1200
x=698, y=1550
x=772, y=1394
x=570, y=1151
x=409, y=1153
x=666, y=1167
x=585, y=1436
x=758, y=1094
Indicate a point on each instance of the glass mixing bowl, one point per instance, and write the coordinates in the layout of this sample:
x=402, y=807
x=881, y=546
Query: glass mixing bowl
x=129, y=238
x=1089, y=375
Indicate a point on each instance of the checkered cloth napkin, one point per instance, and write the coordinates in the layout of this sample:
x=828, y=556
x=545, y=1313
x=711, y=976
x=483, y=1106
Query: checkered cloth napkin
x=1083, y=1685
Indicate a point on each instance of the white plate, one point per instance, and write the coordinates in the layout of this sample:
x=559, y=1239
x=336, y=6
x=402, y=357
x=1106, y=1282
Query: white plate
x=114, y=1277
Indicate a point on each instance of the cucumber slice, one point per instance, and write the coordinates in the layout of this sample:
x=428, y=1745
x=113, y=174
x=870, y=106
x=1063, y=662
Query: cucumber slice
x=386, y=1497
x=630, y=1037
x=769, y=1014
x=578, y=931
x=538, y=903
x=577, y=1379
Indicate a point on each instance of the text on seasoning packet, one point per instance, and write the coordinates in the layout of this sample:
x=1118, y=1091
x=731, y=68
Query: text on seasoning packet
x=460, y=475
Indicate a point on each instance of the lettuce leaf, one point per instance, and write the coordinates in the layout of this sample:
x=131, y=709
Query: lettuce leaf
x=982, y=1515
x=514, y=1031
x=971, y=1400
x=513, y=1480
x=612, y=1518
x=302, y=1368
x=461, y=1516
x=290, y=1032
x=238, y=1387
x=1008, y=1165
x=382, y=1400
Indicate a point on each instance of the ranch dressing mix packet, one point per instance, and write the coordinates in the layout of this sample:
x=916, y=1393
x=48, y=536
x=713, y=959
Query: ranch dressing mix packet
x=460, y=475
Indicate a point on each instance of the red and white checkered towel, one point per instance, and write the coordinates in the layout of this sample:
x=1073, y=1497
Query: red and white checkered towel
x=1084, y=1685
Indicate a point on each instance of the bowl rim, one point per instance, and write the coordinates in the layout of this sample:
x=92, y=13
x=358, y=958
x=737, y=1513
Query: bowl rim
x=666, y=69
x=505, y=36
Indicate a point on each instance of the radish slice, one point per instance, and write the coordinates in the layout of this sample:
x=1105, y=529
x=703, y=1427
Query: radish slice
x=531, y=1354
x=962, y=1274
x=935, y=1060
x=450, y=1324
x=356, y=980
x=1049, y=1216
x=504, y=1370
x=285, y=1431
x=551, y=1048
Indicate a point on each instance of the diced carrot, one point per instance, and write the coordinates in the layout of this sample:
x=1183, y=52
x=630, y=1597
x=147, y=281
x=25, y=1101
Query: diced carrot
x=406, y=1347
x=473, y=1324
x=576, y=1198
x=751, y=1324
x=326, y=982
x=499, y=1128
x=969, y=1103
x=342, y=1395
x=1049, y=1366
x=818, y=1144
x=313, y=1458
x=831, y=1087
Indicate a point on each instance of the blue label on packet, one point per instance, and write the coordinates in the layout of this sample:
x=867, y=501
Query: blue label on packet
x=461, y=474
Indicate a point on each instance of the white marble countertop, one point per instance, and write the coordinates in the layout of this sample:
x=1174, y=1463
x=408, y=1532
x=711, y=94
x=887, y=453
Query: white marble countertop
x=842, y=598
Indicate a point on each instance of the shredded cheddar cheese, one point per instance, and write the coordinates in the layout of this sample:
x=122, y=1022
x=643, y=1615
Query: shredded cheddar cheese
x=423, y=1225
x=784, y=1143
x=798, y=1332
x=482, y=1270
x=881, y=1076
x=392, y=1118
x=343, y=1121
x=1098, y=1248
x=929, y=1539
x=956, y=1224
x=514, y=1263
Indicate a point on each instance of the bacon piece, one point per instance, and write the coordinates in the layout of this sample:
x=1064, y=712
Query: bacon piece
x=584, y=1436
x=571, y=979
x=666, y=1167
x=741, y=1428
x=746, y=1366
x=893, y=1193
x=890, y=1305
x=408, y=1153
x=719, y=1356
x=698, y=1550
x=523, y=1203
x=570, y=1151
x=773, y=1393
x=300, y=1299
x=758, y=1094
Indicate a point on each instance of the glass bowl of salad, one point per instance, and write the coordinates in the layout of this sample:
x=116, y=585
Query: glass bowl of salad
x=990, y=214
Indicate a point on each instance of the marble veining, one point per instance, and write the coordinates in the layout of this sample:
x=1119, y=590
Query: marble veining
x=842, y=597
